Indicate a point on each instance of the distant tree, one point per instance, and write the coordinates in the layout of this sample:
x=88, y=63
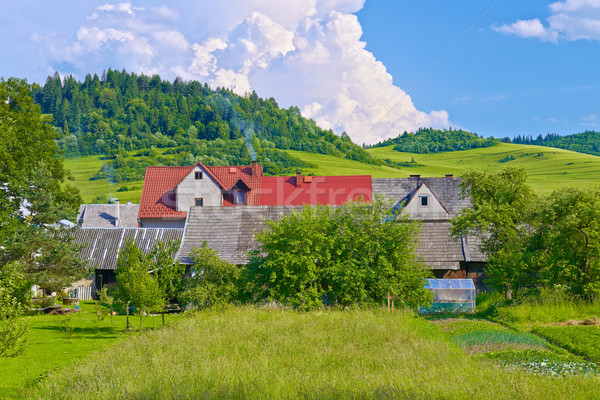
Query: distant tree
x=349, y=255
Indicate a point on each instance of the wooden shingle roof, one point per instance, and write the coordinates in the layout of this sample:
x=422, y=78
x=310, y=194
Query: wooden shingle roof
x=100, y=246
x=447, y=191
x=228, y=230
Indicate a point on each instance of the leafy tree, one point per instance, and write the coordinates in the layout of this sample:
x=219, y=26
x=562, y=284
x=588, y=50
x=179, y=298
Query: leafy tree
x=569, y=238
x=13, y=295
x=350, y=255
x=213, y=281
x=503, y=216
x=135, y=286
x=168, y=272
x=33, y=192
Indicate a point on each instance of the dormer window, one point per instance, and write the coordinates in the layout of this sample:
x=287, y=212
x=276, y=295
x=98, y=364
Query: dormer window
x=241, y=197
x=424, y=201
x=198, y=175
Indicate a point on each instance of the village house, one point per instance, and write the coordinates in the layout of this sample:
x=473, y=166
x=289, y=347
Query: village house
x=225, y=205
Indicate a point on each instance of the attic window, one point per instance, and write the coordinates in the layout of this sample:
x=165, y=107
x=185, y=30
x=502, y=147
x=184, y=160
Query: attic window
x=198, y=175
x=199, y=202
x=424, y=201
x=241, y=197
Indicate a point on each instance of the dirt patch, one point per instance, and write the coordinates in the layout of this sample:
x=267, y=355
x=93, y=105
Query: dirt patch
x=595, y=321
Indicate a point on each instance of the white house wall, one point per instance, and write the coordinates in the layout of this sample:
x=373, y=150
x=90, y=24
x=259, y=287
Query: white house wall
x=190, y=189
x=434, y=211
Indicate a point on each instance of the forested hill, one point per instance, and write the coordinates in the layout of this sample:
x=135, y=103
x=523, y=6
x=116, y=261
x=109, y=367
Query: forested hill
x=587, y=142
x=120, y=112
x=434, y=141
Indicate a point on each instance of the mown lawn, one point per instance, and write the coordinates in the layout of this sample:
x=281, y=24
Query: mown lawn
x=49, y=348
x=243, y=352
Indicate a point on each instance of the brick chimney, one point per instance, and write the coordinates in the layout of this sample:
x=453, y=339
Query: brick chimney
x=449, y=176
x=298, y=179
x=254, y=168
x=414, y=176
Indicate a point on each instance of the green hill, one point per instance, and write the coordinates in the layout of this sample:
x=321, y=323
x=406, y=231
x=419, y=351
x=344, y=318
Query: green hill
x=552, y=168
x=587, y=142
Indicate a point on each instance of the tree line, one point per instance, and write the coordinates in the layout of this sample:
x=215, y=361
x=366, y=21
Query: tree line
x=121, y=112
x=429, y=140
x=587, y=142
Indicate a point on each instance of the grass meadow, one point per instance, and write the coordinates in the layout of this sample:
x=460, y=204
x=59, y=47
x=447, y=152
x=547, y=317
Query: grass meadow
x=50, y=348
x=243, y=352
x=551, y=168
x=546, y=166
x=83, y=168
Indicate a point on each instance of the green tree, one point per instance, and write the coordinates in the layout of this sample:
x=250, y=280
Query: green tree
x=136, y=287
x=569, y=240
x=14, y=290
x=34, y=194
x=502, y=216
x=350, y=255
x=213, y=281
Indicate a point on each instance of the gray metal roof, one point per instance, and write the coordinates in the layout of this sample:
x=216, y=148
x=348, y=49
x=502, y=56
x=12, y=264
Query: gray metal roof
x=105, y=215
x=101, y=246
x=447, y=190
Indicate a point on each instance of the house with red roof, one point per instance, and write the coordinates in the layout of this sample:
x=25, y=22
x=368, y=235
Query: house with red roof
x=170, y=192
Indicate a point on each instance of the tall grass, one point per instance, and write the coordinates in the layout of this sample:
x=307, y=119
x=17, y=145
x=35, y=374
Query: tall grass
x=242, y=353
x=547, y=306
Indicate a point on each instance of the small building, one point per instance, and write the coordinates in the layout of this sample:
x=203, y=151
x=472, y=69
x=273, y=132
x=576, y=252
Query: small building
x=108, y=215
x=451, y=295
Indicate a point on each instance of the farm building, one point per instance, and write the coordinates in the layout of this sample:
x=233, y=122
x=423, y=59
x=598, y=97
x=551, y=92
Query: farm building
x=224, y=206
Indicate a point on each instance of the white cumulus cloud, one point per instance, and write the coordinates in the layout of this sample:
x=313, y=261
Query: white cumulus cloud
x=305, y=53
x=569, y=20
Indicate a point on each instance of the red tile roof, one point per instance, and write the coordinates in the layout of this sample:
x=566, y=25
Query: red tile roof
x=334, y=190
x=158, y=199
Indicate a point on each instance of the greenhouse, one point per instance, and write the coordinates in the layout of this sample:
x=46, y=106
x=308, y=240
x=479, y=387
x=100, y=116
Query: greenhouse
x=450, y=295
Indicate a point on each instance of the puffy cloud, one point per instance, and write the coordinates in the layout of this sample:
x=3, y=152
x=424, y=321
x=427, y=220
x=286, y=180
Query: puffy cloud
x=305, y=53
x=531, y=28
x=570, y=20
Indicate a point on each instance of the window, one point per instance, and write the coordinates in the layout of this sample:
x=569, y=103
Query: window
x=199, y=202
x=424, y=201
x=241, y=198
x=198, y=175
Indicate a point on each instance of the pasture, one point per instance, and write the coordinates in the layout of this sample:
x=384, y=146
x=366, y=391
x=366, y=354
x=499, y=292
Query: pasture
x=245, y=352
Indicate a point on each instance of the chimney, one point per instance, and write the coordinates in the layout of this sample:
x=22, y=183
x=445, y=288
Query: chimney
x=254, y=168
x=117, y=213
x=449, y=176
x=414, y=176
x=298, y=179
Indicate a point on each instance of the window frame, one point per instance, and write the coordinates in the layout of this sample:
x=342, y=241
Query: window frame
x=198, y=175
x=199, y=200
x=426, y=198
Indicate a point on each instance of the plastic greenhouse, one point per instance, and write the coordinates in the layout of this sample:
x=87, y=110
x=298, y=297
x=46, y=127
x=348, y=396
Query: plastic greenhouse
x=450, y=295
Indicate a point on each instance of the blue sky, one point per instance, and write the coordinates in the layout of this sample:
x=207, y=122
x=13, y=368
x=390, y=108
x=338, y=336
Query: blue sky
x=371, y=68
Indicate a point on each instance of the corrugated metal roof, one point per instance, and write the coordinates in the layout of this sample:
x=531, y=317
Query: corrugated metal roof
x=101, y=246
x=105, y=215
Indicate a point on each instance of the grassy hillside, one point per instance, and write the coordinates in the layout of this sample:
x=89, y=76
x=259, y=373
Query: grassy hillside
x=552, y=168
x=83, y=168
